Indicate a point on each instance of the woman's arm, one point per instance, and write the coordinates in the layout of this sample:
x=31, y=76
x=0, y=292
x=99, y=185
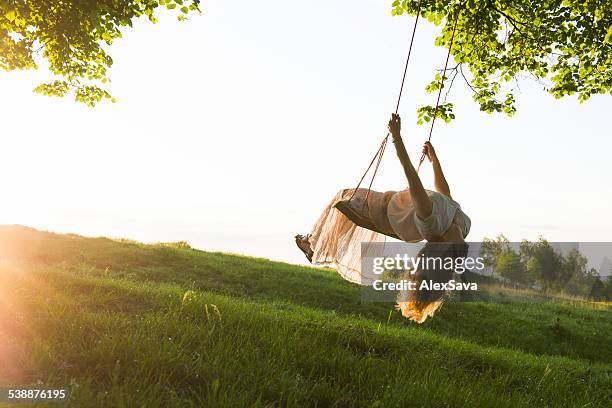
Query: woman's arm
x=422, y=202
x=439, y=180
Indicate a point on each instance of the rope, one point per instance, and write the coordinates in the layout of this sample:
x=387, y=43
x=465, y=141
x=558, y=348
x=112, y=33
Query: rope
x=416, y=21
x=381, y=150
x=442, y=81
x=383, y=146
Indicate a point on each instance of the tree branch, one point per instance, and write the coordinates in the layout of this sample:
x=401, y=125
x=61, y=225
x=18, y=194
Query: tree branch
x=456, y=69
x=512, y=21
x=471, y=86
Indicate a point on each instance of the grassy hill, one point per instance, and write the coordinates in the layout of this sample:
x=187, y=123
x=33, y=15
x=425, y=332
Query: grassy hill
x=125, y=324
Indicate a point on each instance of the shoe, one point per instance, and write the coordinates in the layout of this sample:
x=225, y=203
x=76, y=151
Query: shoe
x=302, y=242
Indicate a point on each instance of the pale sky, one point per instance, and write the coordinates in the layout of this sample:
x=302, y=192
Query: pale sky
x=233, y=130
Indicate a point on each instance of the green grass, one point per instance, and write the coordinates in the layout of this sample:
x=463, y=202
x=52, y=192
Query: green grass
x=125, y=324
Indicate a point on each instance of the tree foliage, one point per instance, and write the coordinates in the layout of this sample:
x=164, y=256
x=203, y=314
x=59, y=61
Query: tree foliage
x=566, y=45
x=71, y=36
x=490, y=249
x=542, y=263
x=510, y=266
x=539, y=265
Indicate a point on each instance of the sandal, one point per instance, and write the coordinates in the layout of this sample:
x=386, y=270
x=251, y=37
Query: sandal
x=302, y=242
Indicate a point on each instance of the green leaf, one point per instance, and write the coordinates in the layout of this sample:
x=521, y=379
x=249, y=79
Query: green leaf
x=608, y=37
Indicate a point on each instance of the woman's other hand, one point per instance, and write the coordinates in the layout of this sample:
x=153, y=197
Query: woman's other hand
x=429, y=151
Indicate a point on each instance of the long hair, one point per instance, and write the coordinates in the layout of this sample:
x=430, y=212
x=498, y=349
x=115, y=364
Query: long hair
x=417, y=305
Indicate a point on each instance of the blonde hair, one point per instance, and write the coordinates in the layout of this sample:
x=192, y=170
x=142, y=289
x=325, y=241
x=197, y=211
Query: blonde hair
x=418, y=305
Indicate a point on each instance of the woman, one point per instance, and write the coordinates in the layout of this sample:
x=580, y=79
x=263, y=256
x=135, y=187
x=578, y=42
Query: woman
x=356, y=217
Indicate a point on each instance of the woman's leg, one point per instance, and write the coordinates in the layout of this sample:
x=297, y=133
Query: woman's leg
x=333, y=234
x=320, y=232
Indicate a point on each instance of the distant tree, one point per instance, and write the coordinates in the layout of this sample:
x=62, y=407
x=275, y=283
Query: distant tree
x=573, y=266
x=490, y=249
x=579, y=285
x=510, y=266
x=566, y=45
x=542, y=262
x=538, y=262
x=598, y=288
x=607, y=291
x=71, y=36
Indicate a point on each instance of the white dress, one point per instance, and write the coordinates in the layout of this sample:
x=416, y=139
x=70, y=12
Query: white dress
x=410, y=228
x=338, y=242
